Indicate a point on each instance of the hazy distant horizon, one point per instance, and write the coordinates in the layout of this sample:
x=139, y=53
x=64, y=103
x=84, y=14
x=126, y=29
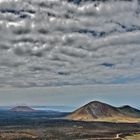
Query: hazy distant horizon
x=72, y=96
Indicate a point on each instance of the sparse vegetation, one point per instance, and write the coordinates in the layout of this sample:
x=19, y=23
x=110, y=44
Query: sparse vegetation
x=43, y=125
x=132, y=137
x=58, y=129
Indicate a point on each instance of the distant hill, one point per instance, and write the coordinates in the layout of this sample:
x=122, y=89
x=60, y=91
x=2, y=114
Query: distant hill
x=130, y=111
x=22, y=109
x=98, y=111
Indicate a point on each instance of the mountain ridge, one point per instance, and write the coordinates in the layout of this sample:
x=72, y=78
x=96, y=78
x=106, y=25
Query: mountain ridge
x=96, y=110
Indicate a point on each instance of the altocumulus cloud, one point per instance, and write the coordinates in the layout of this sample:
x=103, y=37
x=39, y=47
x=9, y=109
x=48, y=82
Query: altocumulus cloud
x=69, y=42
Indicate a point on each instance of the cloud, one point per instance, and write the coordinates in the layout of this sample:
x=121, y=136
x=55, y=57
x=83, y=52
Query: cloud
x=55, y=43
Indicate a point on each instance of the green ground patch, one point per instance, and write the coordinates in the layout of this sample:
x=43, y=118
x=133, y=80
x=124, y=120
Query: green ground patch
x=133, y=137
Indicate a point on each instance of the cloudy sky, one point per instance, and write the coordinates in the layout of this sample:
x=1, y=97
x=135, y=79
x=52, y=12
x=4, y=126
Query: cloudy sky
x=57, y=43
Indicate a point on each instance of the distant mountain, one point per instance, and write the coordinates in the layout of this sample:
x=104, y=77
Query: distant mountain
x=130, y=111
x=103, y=112
x=22, y=109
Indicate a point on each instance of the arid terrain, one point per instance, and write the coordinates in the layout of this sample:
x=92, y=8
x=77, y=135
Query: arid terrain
x=98, y=111
x=66, y=53
x=67, y=130
x=132, y=137
x=24, y=123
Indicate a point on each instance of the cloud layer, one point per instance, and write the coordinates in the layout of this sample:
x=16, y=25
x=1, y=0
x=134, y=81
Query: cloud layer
x=73, y=42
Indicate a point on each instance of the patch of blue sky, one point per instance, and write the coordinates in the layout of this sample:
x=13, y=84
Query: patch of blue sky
x=124, y=80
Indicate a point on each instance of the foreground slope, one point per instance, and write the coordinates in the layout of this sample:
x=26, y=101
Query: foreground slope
x=98, y=111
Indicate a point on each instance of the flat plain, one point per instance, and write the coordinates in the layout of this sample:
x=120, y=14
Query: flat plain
x=50, y=126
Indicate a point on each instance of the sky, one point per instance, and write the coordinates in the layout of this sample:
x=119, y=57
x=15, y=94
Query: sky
x=72, y=97
x=50, y=44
